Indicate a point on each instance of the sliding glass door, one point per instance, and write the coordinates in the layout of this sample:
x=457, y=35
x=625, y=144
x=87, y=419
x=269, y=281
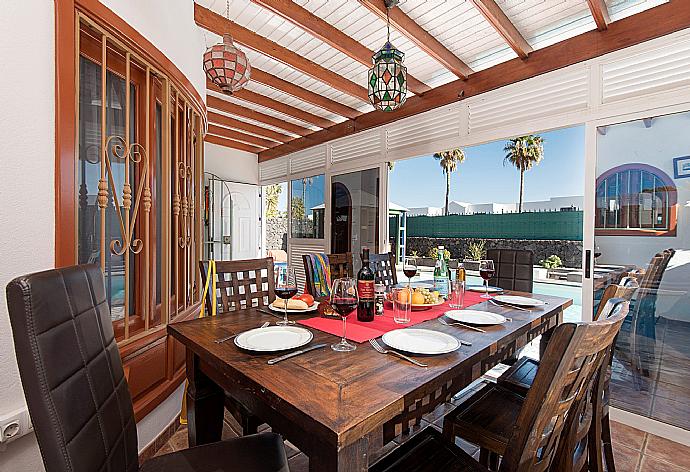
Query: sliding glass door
x=642, y=229
x=355, y=212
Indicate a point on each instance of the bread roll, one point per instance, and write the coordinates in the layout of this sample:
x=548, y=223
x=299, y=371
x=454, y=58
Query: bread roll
x=293, y=304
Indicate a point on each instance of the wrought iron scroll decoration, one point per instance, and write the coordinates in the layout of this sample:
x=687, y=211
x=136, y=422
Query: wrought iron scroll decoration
x=187, y=203
x=135, y=153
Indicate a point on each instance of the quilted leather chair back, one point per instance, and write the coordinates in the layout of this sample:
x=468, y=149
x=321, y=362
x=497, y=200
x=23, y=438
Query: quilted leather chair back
x=71, y=371
x=513, y=269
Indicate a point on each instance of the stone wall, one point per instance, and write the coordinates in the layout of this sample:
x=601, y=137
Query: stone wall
x=570, y=252
x=276, y=233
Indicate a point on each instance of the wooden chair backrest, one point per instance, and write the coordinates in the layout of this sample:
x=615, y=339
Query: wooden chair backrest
x=240, y=284
x=340, y=264
x=580, y=443
x=383, y=266
x=566, y=372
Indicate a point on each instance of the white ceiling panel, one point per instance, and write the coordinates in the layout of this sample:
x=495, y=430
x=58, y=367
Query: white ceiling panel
x=619, y=9
x=254, y=122
x=292, y=101
x=264, y=110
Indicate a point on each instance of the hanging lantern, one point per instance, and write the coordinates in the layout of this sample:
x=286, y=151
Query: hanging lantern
x=388, y=78
x=226, y=66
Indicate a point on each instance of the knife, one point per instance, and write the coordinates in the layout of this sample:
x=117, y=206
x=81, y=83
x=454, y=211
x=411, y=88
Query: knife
x=296, y=353
x=266, y=312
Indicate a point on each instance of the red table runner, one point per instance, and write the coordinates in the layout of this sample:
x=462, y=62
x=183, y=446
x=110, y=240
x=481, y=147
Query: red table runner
x=360, y=332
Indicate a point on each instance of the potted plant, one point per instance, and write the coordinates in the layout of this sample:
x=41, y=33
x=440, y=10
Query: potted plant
x=475, y=252
x=551, y=262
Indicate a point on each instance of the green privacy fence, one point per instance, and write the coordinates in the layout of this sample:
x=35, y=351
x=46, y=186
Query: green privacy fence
x=538, y=225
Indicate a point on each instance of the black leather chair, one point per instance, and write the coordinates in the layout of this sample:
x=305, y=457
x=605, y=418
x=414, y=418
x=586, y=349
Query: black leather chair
x=77, y=393
x=514, y=269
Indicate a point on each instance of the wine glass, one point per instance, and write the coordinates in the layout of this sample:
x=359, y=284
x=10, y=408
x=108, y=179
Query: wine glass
x=344, y=299
x=410, y=269
x=285, y=288
x=486, y=270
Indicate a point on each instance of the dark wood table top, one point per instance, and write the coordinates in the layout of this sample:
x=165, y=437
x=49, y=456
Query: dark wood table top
x=345, y=395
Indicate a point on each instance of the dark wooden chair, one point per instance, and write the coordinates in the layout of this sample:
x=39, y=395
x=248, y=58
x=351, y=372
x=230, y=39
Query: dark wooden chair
x=520, y=376
x=489, y=417
x=514, y=269
x=528, y=429
x=643, y=321
x=383, y=266
x=340, y=264
x=77, y=392
x=240, y=284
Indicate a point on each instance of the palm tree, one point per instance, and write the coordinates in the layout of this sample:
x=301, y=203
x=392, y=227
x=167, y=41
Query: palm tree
x=449, y=160
x=524, y=152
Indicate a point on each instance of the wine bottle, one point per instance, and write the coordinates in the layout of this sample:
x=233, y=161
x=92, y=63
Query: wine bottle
x=365, y=288
x=441, y=279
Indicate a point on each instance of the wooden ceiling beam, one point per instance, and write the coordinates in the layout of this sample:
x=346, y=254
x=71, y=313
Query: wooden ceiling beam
x=239, y=136
x=422, y=38
x=502, y=24
x=258, y=99
x=600, y=13
x=234, y=109
x=303, y=94
x=635, y=29
x=215, y=23
x=231, y=143
x=244, y=126
x=329, y=34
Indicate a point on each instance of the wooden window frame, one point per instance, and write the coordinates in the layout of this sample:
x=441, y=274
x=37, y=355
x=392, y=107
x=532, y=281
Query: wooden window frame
x=671, y=203
x=155, y=361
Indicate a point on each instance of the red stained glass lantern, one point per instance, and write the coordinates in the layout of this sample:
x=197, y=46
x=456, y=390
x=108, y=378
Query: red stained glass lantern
x=226, y=66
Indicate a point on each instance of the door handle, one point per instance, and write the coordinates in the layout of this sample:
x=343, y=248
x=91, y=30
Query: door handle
x=588, y=264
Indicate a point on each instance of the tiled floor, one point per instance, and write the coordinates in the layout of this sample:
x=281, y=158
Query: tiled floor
x=634, y=450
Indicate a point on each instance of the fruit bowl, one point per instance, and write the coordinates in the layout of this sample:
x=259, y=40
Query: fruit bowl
x=426, y=306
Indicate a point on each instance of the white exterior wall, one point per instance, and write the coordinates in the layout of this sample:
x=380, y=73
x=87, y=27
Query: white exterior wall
x=27, y=131
x=231, y=164
x=655, y=146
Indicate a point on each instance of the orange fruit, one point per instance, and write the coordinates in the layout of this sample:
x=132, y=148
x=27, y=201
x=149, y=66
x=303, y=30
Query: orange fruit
x=404, y=296
x=417, y=298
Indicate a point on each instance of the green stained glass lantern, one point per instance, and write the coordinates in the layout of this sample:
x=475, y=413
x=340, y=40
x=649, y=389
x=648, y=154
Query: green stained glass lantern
x=388, y=79
x=387, y=82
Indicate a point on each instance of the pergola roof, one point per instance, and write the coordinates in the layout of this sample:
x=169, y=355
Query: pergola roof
x=310, y=57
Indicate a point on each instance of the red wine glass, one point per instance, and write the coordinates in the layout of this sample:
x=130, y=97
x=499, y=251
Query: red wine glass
x=344, y=300
x=285, y=288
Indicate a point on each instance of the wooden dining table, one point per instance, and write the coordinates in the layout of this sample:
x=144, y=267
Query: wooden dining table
x=341, y=408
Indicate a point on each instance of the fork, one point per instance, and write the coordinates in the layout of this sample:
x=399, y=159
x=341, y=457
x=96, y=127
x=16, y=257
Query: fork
x=380, y=349
x=228, y=338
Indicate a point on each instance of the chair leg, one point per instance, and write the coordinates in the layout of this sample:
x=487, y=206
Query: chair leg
x=250, y=425
x=484, y=457
x=606, y=442
x=493, y=461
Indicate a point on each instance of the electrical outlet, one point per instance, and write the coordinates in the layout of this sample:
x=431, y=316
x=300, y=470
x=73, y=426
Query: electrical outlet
x=15, y=424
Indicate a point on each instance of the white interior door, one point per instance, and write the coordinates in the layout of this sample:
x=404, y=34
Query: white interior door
x=244, y=220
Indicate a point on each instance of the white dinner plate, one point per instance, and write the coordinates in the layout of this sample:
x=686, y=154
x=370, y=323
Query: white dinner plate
x=475, y=317
x=519, y=301
x=273, y=338
x=313, y=307
x=421, y=341
x=480, y=288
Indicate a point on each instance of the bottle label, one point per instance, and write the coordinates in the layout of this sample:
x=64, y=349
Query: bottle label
x=441, y=285
x=365, y=289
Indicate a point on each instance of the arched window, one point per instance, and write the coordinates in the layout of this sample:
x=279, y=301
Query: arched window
x=635, y=199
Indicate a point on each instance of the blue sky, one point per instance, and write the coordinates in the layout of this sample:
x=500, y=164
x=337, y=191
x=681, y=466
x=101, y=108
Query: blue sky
x=483, y=178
